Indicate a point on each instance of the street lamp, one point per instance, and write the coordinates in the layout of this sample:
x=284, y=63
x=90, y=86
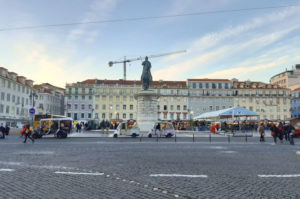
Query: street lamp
x=33, y=96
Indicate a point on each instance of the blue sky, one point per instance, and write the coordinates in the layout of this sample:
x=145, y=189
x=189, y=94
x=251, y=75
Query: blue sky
x=245, y=45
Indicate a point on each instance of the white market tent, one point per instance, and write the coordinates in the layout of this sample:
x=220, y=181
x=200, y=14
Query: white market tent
x=227, y=113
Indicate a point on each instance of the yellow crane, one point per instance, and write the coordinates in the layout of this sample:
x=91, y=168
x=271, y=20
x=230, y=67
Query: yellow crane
x=111, y=63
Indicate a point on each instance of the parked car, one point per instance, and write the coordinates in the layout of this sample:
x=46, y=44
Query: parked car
x=129, y=128
x=162, y=129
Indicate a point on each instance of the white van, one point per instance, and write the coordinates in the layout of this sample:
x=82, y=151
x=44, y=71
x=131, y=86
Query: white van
x=129, y=128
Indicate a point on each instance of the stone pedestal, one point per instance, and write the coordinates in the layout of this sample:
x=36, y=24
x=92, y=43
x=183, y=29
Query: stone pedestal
x=147, y=101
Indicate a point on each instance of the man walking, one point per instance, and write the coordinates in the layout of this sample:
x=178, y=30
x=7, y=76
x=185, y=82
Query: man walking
x=28, y=132
x=262, y=132
x=2, y=129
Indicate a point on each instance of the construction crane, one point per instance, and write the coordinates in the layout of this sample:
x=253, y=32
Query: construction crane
x=111, y=63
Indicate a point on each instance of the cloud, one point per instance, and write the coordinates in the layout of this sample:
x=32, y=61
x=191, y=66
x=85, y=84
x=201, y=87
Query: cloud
x=248, y=41
x=98, y=10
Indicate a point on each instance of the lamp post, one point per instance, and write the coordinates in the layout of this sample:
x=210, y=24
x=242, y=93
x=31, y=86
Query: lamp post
x=32, y=96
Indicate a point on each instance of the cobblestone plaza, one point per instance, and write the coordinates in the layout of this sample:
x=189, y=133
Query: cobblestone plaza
x=127, y=168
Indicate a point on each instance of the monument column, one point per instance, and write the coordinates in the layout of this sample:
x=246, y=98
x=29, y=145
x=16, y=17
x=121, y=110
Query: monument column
x=147, y=101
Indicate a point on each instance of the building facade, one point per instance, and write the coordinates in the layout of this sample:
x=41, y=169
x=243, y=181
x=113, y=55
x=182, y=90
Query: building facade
x=295, y=103
x=207, y=95
x=79, y=100
x=288, y=79
x=49, y=100
x=15, y=98
x=272, y=102
x=173, y=100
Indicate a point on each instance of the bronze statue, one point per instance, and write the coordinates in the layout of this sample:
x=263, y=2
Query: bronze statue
x=146, y=77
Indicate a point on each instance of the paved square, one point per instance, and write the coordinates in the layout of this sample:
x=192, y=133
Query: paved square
x=148, y=168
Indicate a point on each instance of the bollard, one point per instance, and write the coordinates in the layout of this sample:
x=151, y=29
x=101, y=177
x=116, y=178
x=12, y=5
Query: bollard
x=193, y=137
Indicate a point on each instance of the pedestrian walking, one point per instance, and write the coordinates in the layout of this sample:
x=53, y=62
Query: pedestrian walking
x=291, y=133
x=274, y=132
x=285, y=131
x=280, y=132
x=28, y=132
x=262, y=132
x=2, y=129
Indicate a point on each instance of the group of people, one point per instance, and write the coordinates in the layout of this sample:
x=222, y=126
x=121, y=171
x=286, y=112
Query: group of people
x=281, y=131
x=4, y=130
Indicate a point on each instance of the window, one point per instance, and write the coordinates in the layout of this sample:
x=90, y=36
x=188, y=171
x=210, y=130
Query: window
x=103, y=98
x=210, y=108
x=96, y=106
x=131, y=116
x=178, y=107
x=90, y=97
x=96, y=115
x=165, y=115
x=213, y=85
x=206, y=85
x=83, y=97
x=103, y=106
x=2, y=96
x=69, y=114
x=165, y=107
x=83, y=90
x=124, y=115
x=76, y=91
x=131, y=107
x=184, y=107
x=69, y=97
x=117, y=107
x=172, y=116
x=7, y=109
x=1, y=108
x=220, y=85
x=8, y=97
x=82, y=115
x=131, y=98
x=89, y=115
x=124, y=107
x=124, y=98
x=217, y=108
x=103, y=115
x=194, y=85
x=171, y=107
x=158, y=107
x=200, y=85
x=69, y=106
x=82, y=106
x=76, y=97
x=117, y=98
x=75, y=106
x=90, y=91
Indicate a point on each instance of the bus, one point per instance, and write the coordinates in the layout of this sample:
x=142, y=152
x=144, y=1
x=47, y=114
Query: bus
x=38, y=117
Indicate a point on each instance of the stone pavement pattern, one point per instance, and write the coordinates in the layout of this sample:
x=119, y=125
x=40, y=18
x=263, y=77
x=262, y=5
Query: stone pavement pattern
x=232, y=169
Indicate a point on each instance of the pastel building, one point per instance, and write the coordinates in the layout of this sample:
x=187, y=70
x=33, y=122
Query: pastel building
x=79, y=100
x=15, y=98
x=207, y=95
x=272, y=102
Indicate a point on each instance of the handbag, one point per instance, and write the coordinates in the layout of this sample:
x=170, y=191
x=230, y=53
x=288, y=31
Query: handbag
x=273, y=133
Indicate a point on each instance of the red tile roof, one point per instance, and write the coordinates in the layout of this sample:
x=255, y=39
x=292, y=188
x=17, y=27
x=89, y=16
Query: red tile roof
x=209, y=80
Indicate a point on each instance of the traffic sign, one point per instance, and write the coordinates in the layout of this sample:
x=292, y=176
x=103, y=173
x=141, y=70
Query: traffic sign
x=32, y=111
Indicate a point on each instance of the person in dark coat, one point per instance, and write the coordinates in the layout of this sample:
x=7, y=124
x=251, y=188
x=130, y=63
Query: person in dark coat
x=2, y=129
x=291, y=133
x=274, y=132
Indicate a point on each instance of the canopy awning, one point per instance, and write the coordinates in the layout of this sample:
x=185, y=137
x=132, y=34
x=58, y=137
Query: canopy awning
x=227, y=113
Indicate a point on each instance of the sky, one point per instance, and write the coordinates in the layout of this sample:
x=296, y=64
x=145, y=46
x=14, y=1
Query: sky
x=247, y=45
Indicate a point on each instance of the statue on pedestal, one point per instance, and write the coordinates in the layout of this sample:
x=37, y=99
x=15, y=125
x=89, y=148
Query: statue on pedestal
x=146, y=77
